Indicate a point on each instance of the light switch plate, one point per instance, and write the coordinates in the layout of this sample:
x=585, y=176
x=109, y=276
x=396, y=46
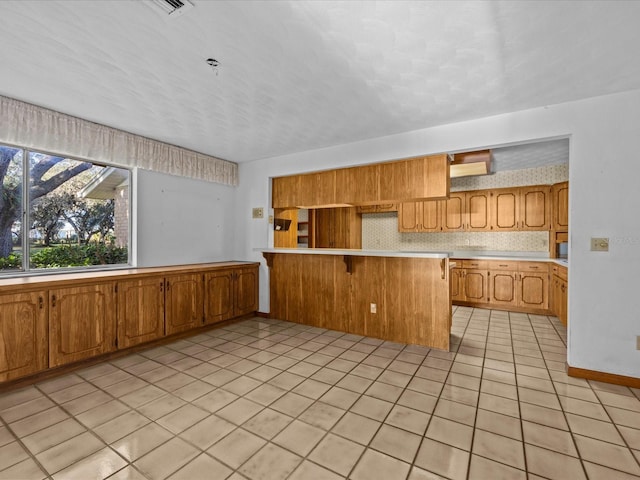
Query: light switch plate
x=258, y=212
x=599, y=244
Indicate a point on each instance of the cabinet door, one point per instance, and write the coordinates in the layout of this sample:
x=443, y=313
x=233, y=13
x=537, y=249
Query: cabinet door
x=477, y=210
x=409, y=217
x=140, y=311
x=475, y=286
x=246, y=291
x=505, y=209
x=535, y=208
x=503, y=288
x=533, y=290
x=82, y=323
x=23, y=334
x=453, y=212
x=430, y=216
x=218, y=296
x=284, y=191
x=563, y=285
x=560, y=192
x=184, y=302
x=357, y=185
x=457, y=287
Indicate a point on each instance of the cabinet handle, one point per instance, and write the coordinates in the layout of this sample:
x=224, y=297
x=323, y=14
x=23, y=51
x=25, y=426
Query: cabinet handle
x=168, y=285
x=533, y=267
x=53, y=301
x=161, y=285
x=503, y=265
x=562, y=288
x=40, y=303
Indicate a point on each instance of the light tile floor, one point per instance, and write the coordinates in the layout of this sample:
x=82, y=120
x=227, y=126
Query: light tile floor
x=263, y=399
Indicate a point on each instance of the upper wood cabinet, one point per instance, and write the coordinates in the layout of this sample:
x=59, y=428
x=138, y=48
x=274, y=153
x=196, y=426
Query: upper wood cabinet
x=560, y=200
x=82, y=322
x=140, y=311
x=23, y=334
x=521, y=208
x=382, y=208
x=382, y=183
x=462, y=211
x=184, y=302
x=337, y=228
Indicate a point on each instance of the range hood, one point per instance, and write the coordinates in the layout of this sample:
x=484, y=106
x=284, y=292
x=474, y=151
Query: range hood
x=470, y=164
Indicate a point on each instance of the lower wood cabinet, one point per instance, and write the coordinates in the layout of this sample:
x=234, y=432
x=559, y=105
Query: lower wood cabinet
x=140, y=311
x=230, y=293
x=23, y=334
x=82, y=322
x=86, y=318
x=559, y=289
x=184, y=302
x=507, y=285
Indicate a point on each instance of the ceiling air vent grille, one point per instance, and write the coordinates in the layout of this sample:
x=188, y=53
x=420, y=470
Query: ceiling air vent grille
x=173, y=8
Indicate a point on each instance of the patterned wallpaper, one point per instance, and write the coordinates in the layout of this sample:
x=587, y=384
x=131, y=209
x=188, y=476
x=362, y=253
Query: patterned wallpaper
x=380, y=231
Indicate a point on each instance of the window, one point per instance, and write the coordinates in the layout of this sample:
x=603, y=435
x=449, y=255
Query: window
x=61, y=213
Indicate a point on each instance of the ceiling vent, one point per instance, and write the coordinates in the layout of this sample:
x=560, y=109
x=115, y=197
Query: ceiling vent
x=173, y=8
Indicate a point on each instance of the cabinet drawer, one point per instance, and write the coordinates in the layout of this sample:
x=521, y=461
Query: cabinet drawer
x=476, y=264
x=540, y=267
x=503, y=265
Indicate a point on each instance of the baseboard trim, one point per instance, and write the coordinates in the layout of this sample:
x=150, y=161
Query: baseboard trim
x=632, y=382
x=262, y=315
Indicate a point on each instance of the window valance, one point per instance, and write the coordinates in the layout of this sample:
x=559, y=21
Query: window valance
x=47, y=130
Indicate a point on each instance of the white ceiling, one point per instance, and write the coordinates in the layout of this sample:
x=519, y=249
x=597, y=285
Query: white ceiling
x=300, y=75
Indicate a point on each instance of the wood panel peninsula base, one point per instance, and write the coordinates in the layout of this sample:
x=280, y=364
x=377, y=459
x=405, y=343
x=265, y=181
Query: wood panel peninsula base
x=396, y=296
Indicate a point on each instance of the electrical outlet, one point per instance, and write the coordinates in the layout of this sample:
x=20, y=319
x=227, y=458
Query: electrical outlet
x=271, y=219
x=599, y=244
x=258, y=212
x=374, y=308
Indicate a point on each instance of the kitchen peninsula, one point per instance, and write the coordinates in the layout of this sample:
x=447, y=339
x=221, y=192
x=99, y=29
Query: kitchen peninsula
x=397, y=296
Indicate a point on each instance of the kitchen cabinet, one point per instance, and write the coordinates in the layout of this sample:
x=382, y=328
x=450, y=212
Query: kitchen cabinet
x=384, y=208
x=462, y=211
x=140, y=311
x=501, y=284
x=419, y=216
x=23, y=334
x=230, y=294
x=522, y=208
x=469, y=282
x=82, y=322
x=184, y=302
x=337, y=228
x=559, y=290
x=524, y=285
x=560, y=195
x=381, y=183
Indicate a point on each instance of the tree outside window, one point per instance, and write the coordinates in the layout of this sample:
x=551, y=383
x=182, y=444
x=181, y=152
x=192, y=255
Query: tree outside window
x=68, y=212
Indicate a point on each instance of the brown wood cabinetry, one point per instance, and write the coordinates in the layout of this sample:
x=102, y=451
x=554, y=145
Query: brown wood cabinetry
x=387, y=207
x=453, y=212
x=411, y=295
x=419, y=216
x=560, y=194
x=184, y=302
x=506, y=284
x=61, y=319
x=230, y=294
x=82, y=322
x=522, y=208
x=337, y=228
x=477, y=211
x=559, y=290
x=382, y=183
x=469, y=282
x=140, y=311
x=23, y=334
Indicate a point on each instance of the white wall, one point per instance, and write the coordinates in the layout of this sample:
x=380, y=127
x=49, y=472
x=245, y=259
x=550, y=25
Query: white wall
x=604, y=172
x=181, y=220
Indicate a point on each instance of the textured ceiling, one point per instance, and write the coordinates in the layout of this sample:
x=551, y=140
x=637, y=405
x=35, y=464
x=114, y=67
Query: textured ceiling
x=299, y=75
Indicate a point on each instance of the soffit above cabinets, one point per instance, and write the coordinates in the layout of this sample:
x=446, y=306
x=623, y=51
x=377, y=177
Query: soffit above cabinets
x=301, y=75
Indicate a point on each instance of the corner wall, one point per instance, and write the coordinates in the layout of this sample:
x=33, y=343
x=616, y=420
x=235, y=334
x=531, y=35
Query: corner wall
x=604, y=168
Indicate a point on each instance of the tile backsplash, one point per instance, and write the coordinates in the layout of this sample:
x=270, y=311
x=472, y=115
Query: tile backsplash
x=380, y=231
